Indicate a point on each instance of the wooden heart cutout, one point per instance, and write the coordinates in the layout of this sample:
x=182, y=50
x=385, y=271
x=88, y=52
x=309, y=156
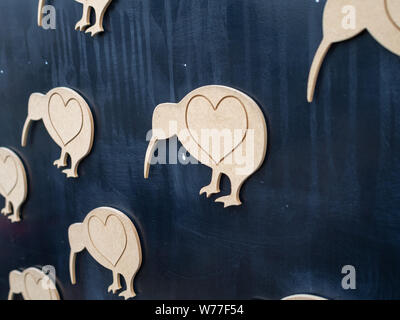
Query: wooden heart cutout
x=8, y=174
x=108, y=238
x=35, y=289
x=228, y=115
x=66, y=118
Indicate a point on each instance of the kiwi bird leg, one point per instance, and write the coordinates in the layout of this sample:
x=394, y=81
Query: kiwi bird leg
x=16, y=217
x=62, y=162
x=213, y=187
x=7, y=208
x=116, y=285
x=316, y=67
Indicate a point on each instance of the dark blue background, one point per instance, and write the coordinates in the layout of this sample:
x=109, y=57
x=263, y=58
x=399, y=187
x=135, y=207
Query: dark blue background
x=326, y=196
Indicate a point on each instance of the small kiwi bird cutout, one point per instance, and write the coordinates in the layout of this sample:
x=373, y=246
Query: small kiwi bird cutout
x=344, y=19
x=32, y=284
x=113, y=241
x=230, y=119
x=69, y=122
x=13, y=184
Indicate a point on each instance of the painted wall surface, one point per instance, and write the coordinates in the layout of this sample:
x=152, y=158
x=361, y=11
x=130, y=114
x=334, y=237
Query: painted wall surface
x=326, y=196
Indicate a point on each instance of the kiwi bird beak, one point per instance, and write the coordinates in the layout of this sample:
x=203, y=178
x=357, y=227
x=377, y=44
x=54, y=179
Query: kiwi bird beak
x=315, y=68
x=40, y=12
x=25, y=131
x=149, y=156
x=72, y=259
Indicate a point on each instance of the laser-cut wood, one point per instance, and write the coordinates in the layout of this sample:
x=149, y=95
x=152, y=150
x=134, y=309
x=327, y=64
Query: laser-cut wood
x=33, y=284
x=303, y=297
x=69, y=122
x=13, y=184
x=207, y=114
x=380, y=17
x=100, y=7
x=40, y=12
x=112, y=240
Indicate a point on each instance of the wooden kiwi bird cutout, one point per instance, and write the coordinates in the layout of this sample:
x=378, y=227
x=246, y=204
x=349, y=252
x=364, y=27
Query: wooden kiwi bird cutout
x=217, y=109
x=33, y=284
x=100, y=7
x=13, y=184
x=380, y=17
x=69, y=122
x=112, y=240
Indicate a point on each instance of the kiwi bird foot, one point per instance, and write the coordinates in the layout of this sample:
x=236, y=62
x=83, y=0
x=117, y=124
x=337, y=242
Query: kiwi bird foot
x=5, y=211
x=81, y=25
x=127, y=294
x=114, y=287
x=59, y=163
x=94, y=30
x=70, y=173
x=14, y=219
x=229, y=201
x=209, y=190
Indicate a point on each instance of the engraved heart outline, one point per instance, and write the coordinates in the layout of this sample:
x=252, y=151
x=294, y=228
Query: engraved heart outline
x=105, y=225
x=215, y=108
x=3, y=162
x=390, y=16
x=36, y=282
x=65, y=143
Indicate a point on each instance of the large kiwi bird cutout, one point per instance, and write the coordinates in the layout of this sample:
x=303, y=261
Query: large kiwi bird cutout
x=222, y=128
x=344, y=19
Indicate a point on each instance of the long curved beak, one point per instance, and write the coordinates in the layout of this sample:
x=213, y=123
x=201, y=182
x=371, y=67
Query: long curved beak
x=40, y=12
x=315, y=68
x=72, y=259
x=149, y=156
x=25, y=131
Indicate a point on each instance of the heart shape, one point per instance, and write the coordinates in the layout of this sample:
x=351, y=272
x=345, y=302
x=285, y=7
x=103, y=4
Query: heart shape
x=393, y=10
x=206, y=121
x=35, y=289
x=66, y=118
x=108, y=238
x=8, y=174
